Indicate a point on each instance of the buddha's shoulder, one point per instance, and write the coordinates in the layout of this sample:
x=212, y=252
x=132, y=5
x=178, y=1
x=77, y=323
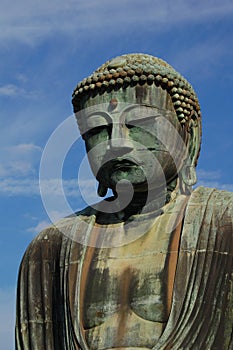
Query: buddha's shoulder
x=59, y=233
x=218, y=203
x=212, y=196
x=44, y=246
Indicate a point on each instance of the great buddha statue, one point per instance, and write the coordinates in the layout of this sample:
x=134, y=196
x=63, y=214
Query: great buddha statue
x=151, y=266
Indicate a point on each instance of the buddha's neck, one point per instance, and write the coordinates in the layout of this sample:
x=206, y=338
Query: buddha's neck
x=145, y=201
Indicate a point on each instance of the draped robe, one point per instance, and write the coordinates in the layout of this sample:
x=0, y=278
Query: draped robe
x=201, y=315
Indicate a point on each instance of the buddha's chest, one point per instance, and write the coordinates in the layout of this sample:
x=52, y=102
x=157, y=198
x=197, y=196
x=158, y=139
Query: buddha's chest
x=132, y=278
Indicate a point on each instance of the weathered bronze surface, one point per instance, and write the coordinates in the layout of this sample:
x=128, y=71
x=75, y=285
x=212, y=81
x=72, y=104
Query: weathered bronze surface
x=155, y=273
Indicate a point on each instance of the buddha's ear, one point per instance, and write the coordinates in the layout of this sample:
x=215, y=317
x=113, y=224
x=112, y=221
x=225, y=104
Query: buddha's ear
x=188, y=171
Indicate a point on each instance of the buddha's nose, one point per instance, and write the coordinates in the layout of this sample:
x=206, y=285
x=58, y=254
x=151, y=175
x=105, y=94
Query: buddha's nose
x=120, y=141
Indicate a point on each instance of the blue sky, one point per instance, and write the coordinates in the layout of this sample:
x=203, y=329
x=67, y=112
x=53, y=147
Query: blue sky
x=46, y=48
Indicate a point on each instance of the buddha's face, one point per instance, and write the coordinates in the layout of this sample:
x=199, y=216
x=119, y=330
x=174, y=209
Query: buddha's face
x=133, y=140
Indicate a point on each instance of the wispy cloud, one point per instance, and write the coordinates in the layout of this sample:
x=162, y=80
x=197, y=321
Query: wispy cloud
x=86, y=188
x=204, y=56
x=54, y=187
x=24, y=148
x=19, y=160
x=16, y=168
x=213, y=179
x=29, y=21
x=216, y=184
x=193, y=11
x=19, y=172
x=11, y=90
x=208, y=175
x=42, y=224
x=39, y=227
x=19, y=187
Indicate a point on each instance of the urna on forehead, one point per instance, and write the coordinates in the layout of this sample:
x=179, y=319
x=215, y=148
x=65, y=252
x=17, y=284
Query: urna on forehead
x=139, y=70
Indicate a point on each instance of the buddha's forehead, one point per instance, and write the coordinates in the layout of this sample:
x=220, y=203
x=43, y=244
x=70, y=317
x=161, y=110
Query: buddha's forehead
x=153, y=96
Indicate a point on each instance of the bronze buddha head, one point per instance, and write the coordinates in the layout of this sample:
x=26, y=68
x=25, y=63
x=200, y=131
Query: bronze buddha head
x=141, y=123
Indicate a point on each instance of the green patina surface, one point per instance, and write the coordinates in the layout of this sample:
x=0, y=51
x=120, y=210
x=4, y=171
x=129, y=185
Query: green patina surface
x=154, y=272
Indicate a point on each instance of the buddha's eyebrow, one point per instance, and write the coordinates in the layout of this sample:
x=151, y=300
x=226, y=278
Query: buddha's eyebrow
x=96, y=119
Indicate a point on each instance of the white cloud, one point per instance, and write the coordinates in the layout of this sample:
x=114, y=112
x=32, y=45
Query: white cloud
x=19, y=160
x=22, y=78
x=39, y=227
x=16, y=168
x=88, y=191
x=11, y=90
x=28, y=123
x=55, y=188
x=15, y=91
x=212, y=179
x=70, y=187
x=57, y=215
x=30, y=22
x=199, y=11
x=204, y=56
x=58, y=187
x=7, y=318
x=208, y=175
x=216, y=184
x=15, y=187
x=19, y=175
x=25, y=148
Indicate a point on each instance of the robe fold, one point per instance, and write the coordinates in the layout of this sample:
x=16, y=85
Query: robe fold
x=201, y=316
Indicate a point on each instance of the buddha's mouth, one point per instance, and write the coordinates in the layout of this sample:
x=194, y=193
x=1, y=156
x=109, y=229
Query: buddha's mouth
x=124, y=165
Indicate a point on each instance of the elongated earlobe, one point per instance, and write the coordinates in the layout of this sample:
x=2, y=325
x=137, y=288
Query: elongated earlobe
x=102, y=190
x=188, y=174
x=188, y=171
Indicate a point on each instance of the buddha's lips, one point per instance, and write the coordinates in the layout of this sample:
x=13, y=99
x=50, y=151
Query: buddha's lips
x=124, y=165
